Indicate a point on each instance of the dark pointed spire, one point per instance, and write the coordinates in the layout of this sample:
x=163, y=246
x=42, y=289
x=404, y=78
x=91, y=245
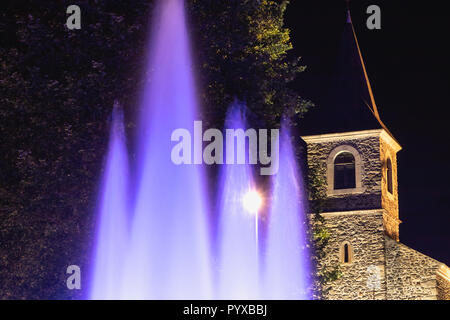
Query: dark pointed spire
x=349, y=17
x=350, y=106
x=372, y=105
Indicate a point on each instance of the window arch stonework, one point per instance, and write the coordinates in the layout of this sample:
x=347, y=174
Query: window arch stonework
x=331, y=174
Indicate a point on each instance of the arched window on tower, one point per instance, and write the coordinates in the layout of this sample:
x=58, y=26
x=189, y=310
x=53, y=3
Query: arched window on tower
x=389, y=175
x=344, y=171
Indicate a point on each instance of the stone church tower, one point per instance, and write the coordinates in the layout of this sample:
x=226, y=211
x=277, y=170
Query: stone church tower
x=357, y=158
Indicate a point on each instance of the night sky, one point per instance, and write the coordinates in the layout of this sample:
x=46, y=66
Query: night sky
x=407, y=66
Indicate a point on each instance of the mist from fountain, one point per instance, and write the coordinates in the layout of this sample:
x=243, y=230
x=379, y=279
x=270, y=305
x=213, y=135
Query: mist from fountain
x=113, y=209
x=237, y=256
x=169, y=251
x=160, y=247
x=286, y=260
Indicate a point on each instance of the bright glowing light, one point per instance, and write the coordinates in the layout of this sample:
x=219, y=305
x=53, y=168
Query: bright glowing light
x=252, y=201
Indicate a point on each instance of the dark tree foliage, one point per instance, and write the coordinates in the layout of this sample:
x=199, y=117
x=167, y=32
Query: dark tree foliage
x=57, y=89
x=56, y=93
x=242, y=48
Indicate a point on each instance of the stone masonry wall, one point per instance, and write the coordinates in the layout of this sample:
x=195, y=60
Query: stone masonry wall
x=369, y=150
x=390, y=201
x=410, y=275
x=443, y=288
x=365, y=233
x=368, y=219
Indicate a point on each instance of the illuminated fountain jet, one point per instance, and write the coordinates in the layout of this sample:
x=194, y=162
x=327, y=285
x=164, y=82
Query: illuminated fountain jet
x=111, y=235
x=286, y=260
x=169, y=249
x=238, y=267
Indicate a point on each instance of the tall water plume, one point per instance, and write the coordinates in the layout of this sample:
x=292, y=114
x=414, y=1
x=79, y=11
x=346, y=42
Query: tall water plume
x=169, y=252
x=238, y=267
x=287, y=261
x=159, y=248
x=111, y=236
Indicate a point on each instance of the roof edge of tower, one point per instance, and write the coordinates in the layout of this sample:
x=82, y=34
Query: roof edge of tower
x=444, y=271
x=340, y=135
x=381, y=133
x=389, y=138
